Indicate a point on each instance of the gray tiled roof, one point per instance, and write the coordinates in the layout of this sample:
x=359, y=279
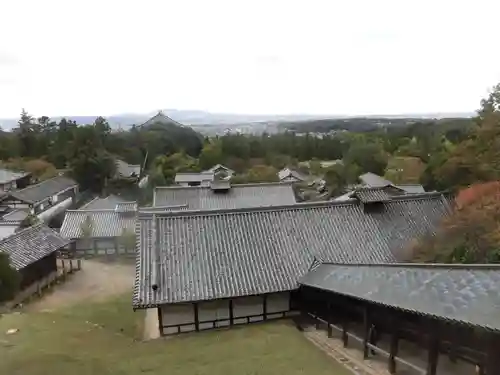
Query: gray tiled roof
x=462, y=293
x=412, y=189
x=194, y=177
x=160, y=118
x=31, y=244
x=126, y=170
x=163, y=208
x=126, y=207
x=216, y=254
x=43, y=190
x=238, y=196
x=7, y=176
x=16, y=215
x=374, y=180
x=368, y=195
x=105, y=223
x=108, y=203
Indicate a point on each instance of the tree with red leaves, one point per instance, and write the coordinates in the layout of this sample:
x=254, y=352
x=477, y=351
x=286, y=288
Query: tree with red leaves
x=471, y=234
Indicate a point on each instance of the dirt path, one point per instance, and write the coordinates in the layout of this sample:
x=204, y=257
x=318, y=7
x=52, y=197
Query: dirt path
x=95, y=282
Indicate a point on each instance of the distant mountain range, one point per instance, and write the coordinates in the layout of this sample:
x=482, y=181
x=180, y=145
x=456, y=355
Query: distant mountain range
x=198, y=118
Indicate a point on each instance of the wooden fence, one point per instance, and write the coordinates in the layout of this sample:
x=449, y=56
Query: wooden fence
x=65, y=267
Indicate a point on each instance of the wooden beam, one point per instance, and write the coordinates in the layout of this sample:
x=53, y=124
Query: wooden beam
x=433, y=348
x=196, y=316
x=492, y=365
x=231, y=313
x=264, y=306
x=329, y=319
x=394, y=341
x=366, y=331
x=345, y=336
x=160, y=321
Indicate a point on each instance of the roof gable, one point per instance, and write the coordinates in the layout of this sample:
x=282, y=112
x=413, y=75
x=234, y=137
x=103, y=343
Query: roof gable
x=160, y=118
x=206, y=255
x=287, y=172
x=31, y=244
x=219, y=167
x=237, y=196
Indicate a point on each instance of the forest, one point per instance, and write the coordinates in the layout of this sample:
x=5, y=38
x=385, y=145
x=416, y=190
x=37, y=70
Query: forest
x=459, y=156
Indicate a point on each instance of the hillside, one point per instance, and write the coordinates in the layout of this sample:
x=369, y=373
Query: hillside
x=200, y=118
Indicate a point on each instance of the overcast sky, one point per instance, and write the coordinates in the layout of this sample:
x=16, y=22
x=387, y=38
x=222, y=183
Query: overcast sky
x=316, y=57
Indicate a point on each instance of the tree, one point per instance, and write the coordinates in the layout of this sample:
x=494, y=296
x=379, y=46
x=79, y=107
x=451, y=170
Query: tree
x=87, y=229
x=471, y=234
x=9, y=279
x=338, y=176
x=369, y=157
x=28, y=221
x=91, y=165
x=210, y=155
x=26, y=132
x=258, y=173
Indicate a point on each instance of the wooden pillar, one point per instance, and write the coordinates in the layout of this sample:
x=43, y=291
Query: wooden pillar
x=316, y=313
x=345, y=336
x=394, y=341
x=264, y=306
x=231, y=313
x=196, y=316
x=492, y=365
x=366, y=332
x=160, y=321
x=329, y=319
x=433, y=348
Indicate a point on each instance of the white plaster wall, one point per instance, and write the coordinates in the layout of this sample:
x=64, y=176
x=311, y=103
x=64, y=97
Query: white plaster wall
x=105, y=246
x=178, y=314
x=243, y=307
x=211, y=311
x=277, y=304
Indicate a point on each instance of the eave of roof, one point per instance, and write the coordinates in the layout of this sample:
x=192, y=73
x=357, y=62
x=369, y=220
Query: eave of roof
x=43, y=190
x=466, y=294
x=31, y=244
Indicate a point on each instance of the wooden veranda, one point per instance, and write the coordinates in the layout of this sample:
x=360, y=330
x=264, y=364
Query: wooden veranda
x=436, y=335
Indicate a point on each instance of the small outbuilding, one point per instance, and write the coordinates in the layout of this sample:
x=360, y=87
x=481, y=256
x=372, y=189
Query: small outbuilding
x=32, y=252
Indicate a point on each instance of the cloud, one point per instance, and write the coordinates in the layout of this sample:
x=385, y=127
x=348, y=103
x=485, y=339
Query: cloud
x=260, y=56
x=7, y=59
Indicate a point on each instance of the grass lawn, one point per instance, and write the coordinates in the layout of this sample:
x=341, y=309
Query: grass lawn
x=99, y=339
